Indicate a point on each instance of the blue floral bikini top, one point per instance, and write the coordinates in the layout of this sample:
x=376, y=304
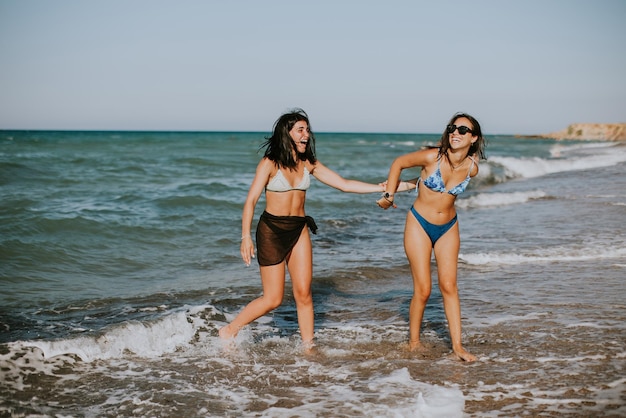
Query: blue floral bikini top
x=435, y=182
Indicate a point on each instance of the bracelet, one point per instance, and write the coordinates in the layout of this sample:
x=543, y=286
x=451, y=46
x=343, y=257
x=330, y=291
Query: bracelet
x=245, y=236
x=386, y=196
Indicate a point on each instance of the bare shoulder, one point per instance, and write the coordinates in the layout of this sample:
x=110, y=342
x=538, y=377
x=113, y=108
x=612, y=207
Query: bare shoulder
x=431, y=154
x=266, y=168
x=421, y=157
x=266, y=164
x=313, y=167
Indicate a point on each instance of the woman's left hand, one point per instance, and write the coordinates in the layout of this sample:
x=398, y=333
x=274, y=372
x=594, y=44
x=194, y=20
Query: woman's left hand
x=247, y=249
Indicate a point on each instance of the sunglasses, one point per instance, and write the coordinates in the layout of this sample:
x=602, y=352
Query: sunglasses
x=462, y=129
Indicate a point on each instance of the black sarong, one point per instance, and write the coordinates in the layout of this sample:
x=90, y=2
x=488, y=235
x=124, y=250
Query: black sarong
x=277, y=235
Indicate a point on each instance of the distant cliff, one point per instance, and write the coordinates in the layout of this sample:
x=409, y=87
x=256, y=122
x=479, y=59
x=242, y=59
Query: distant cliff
x=591, y=131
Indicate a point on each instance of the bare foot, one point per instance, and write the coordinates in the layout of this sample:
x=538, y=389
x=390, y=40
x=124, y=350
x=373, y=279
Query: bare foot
x=463, y=355
x=309, y=348
x=416, y=345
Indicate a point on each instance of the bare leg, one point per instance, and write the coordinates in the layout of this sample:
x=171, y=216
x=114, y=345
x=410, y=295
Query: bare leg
x=273, y=279
x=418, y=250
x=447, y=254
x=300, y=264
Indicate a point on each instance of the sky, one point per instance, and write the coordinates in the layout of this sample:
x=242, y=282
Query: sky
x=520, y=67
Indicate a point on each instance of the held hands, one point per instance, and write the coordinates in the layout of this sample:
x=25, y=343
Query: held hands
x=380, y=202
x=247, y=249
x=386, y=201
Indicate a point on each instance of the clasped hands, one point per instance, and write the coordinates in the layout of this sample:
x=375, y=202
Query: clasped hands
x=386, y=200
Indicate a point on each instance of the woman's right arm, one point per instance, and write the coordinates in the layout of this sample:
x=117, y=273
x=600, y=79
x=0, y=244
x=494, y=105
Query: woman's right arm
x=261, y=178
x=414, y=159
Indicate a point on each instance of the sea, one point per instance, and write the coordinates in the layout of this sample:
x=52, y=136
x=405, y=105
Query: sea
x=119, y=262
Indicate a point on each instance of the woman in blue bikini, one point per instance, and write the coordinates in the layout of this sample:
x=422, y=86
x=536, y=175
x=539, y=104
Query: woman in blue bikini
x=282, y=235
x=432, y=224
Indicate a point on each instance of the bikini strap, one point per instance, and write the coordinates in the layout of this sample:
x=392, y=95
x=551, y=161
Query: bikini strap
x=471, y=166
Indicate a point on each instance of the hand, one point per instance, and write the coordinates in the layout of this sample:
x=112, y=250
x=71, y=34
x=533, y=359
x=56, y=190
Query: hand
x=247, y=249
x=386, y=203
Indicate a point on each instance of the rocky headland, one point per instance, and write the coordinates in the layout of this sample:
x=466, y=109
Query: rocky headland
x=591, y=131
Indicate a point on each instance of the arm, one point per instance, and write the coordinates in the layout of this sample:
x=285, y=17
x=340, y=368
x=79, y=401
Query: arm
x=414, y=159
x=332, y=179
x=263, y=172
x=403, y=186
x=406, y=185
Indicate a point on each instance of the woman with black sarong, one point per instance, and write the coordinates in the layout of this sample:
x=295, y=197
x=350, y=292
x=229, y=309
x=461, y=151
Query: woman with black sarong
x=282, y=235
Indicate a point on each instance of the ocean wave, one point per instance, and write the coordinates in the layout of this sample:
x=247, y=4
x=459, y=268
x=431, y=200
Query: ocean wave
x=545, y=255
x=558, y=149
x=482, y=200
x=277, y=387
x=490, y=173
x=537, y=167
x=11, y=172
x=187, y=338
x=148, y=339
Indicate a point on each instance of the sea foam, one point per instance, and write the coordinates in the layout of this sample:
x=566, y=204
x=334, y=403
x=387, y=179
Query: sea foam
x=555, y=254
x=143, y=339
x=536, y=167
x=499, y=199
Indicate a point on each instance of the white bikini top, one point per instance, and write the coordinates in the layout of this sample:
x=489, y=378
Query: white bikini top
x=279, y=183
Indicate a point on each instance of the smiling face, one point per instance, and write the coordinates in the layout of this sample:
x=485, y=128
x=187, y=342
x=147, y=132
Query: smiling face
x=300, y=135
x=452, y=139
x=458, y=140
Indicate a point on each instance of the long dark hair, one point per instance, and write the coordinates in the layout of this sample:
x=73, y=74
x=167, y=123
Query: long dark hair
x=477, y=148
x=279, y=147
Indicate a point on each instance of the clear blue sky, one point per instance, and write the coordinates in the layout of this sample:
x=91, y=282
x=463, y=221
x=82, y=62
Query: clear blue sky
x=527, y=67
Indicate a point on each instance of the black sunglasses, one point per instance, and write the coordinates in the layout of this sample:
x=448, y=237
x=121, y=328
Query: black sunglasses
x=462, y=129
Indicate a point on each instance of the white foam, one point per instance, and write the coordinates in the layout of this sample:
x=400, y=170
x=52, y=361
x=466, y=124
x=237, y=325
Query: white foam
x=551, y=400
x=570, y=359
x=586, y=325
x=499, y=199
x=507, y=319
x=150, y=339
x=430, y=401
x=558, y=150
x=536, y=167
x=543, y=255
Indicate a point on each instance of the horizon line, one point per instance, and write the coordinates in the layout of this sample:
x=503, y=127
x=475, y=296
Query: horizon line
x=242, y=131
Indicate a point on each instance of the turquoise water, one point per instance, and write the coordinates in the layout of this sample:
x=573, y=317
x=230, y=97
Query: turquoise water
x=119, y=259
x=129, y=214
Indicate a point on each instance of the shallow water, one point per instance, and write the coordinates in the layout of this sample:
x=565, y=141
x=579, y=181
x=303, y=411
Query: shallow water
x=119, y=262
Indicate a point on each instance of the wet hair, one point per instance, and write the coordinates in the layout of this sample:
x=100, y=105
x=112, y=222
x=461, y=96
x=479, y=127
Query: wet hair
x=279, y=147
x=477, y=148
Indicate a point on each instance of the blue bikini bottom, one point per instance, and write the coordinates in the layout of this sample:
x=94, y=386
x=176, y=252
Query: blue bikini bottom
x=433, y=231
